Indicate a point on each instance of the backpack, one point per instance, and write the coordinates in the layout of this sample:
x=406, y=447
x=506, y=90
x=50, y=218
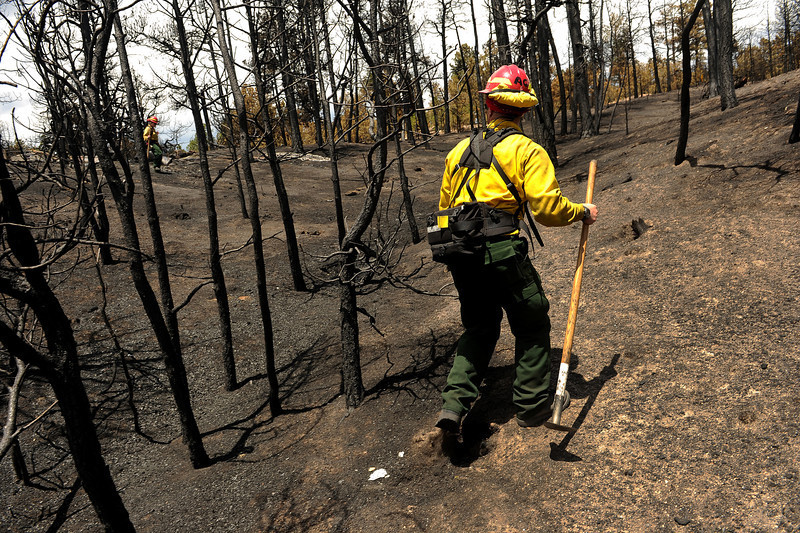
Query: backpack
x=471, y=224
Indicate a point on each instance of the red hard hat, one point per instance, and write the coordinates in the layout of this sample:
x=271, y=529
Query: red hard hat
x=153, y=119
x=507, y=77
x=509, y=91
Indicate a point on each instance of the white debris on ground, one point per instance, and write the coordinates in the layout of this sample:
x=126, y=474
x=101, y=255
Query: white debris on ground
x=291, y=156
x=378, y=474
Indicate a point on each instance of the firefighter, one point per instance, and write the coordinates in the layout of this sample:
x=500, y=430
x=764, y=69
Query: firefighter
x=503, y=278
x=151, y=138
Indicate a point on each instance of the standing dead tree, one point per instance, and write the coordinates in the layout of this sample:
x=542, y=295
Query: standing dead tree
x=368, y=39
x=669, y=35
x=795, y=135
x=87, y=34
x=562, y=90
x=723, y=24
x=67, y=136
x=652, y=33
x=405, y=87
x=415, y=59
x=713, y=53
x=445, y=9
x=535, y=54
x=326, y=66
x=476, y=57
x=165, y=320
x=598, y=55
x=580, y=79
x=214, y=256
x=288, y=81
x=226, y=124
x=632, y=32
x=23, y=280
x=501, y=31
x=680, y=152
x=263, y=122
x=367, y=246
x=253, y=208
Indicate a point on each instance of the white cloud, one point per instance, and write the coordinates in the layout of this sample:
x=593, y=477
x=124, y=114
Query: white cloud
x=19, y=102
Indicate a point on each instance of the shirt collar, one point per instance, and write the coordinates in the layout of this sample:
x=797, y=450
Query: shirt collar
x=501, y=123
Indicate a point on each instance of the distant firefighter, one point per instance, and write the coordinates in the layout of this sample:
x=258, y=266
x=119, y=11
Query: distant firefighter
x=154, y=151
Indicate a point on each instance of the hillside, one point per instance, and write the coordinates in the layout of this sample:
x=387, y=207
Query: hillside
x=683, y=379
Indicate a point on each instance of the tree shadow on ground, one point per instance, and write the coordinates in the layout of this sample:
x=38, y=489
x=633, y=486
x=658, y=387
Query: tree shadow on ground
x=303, y=371
x=62, y=514
x=422, y=371
x=767, y=166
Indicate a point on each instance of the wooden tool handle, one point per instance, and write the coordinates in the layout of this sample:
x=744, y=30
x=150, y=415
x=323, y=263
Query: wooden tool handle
x=566, y=353
x=576, y=282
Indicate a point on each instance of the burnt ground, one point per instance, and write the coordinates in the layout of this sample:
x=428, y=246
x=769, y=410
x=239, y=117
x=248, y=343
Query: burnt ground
x=684, y=374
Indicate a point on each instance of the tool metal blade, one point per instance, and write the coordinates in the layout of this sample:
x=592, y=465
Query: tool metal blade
x=559, y=427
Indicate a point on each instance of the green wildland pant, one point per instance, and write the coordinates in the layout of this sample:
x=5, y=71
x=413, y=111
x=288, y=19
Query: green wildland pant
x=156, y=155
x=505, y=281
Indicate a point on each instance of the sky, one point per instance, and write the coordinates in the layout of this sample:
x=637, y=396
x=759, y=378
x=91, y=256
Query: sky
x=145, y=63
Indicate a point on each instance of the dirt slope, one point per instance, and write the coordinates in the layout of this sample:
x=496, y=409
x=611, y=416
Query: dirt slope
x=684, y=375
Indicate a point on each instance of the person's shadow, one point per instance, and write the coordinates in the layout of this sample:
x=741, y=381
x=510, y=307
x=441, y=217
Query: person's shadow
x=495, y=407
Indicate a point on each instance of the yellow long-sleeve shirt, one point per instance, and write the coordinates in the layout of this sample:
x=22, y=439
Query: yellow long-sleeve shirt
x=528, y=167
x=150, y=134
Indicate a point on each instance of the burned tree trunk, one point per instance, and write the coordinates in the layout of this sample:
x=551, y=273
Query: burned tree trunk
x=711, y=41
x=60, y=363
x=580, y=80
x=287, y=81
x=562, y=90
x=253, y=211
x=229, y=141
x=277, y=175
x=166, y=322
x=477, y=60
x=408, y=200
x=651, y=29
x=501, y=32
x=334, y=165
x=352, y=383
x=723, y=22
x=422, y=117
x=445, y=76
x=795, y=135
x=214, y=256
x=545, y=110
x=680, y=153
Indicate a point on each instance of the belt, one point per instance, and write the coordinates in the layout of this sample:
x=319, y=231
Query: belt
x=498, y=238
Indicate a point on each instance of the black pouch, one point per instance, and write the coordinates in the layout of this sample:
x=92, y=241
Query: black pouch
x=468, y=227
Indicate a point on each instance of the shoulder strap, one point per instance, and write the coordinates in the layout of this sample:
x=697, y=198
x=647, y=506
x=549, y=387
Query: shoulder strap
x=465, y=181
x=479, y=152
x=471, y=160
x=505, y=132
x=522, y=206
